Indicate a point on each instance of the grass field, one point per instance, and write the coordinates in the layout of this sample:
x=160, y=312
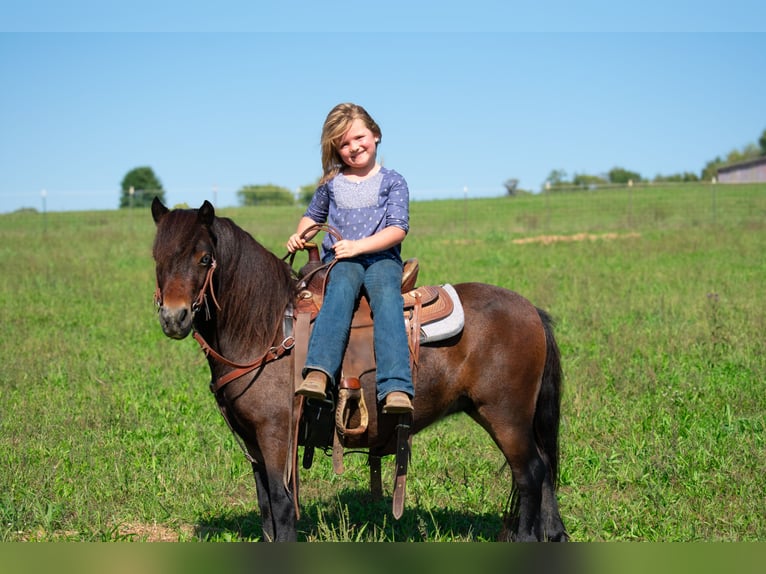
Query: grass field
x=108, y=430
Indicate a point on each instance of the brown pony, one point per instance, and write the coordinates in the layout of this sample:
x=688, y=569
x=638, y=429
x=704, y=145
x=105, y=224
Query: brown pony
x=503, y=369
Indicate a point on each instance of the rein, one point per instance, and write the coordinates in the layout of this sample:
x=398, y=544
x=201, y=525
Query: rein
x=271, y=354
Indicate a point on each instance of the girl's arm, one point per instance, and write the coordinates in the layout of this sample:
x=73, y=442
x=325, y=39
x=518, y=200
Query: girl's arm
x=296, y=243
x=380, y=241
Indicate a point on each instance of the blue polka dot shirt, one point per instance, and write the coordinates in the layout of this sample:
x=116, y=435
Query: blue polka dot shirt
x=360, y=209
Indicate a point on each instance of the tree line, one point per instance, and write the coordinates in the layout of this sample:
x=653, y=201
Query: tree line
x=620, y=176
x=141, y=184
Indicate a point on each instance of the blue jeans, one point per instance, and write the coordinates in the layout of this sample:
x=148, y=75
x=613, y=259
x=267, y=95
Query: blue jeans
x=381, y=278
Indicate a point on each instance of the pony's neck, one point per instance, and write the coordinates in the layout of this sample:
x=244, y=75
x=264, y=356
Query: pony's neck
x=253, y=288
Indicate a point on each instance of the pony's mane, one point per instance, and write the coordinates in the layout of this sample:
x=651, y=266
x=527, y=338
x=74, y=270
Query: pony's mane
x=253, y=285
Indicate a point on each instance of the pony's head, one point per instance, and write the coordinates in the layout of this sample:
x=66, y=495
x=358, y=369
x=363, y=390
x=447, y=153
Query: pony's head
x=184, y=258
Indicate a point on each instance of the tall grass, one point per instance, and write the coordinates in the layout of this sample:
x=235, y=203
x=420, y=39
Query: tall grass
x=108, y=431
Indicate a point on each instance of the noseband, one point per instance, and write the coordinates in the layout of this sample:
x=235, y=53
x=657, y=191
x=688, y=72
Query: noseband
x=201, y=297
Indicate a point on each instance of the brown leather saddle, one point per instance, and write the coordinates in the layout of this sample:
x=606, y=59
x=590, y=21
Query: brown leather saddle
x=424, y=304
x=350, y=424
x=350, y=427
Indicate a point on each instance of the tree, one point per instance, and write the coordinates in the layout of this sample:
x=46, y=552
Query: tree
x=265, y=195
x=750, y=151
x=710, y=170
x=684, y=177
x=306, y=193
x=511, y=186
x=556, y=178
x=622, y=175
x=585, y=180
x=762, y=142
x=139, y=186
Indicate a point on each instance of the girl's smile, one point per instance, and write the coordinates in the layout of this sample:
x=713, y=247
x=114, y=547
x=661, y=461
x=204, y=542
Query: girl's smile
x=358, y=149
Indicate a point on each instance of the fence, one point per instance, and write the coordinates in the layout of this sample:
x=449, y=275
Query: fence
x=558, y=211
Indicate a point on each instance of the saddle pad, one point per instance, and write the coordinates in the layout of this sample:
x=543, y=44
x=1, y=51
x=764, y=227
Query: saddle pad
x=450, y=325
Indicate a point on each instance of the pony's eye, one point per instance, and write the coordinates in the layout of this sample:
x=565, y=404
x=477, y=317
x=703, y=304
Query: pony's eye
x=206, y=259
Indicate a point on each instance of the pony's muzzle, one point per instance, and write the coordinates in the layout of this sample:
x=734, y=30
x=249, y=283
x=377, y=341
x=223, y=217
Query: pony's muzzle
x=176, y=322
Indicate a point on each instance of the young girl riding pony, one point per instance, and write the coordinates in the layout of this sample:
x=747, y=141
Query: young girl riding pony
x=369, y=206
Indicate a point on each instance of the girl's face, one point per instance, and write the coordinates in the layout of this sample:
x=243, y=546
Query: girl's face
x=358, y=148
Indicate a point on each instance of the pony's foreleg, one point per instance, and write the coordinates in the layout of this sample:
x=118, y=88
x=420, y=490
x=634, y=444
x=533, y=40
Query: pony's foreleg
x=276, y=505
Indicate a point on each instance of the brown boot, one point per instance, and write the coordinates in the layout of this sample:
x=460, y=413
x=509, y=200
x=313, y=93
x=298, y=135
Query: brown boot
x=397, y=402
x=313, y=385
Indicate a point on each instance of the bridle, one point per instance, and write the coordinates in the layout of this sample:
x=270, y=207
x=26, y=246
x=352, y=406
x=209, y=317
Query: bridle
x=201, y=296
x=272, y=353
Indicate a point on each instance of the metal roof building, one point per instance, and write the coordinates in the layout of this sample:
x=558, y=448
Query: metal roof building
x=750, y=171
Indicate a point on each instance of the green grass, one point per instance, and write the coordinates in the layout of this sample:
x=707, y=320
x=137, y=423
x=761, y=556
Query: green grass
x=108, y=431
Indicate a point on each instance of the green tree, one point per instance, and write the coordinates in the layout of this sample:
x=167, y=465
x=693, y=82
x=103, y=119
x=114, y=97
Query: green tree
x=585, y=180
x=750, y=151
x=684, y=177
x=511, y=186
x=762, y=142
x=306, y=192
x=265, y=195
x=622, y=175
x=556, y=178
x=710, y=170
x=139, y=186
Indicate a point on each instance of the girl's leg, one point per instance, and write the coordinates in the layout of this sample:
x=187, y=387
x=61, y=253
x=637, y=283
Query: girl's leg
x=333, y=324
x=383, y=282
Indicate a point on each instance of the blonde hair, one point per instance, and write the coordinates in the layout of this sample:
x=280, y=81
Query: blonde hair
x=335, y=126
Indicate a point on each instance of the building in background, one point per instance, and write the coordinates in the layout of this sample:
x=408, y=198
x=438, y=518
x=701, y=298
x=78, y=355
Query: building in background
x=750, y=171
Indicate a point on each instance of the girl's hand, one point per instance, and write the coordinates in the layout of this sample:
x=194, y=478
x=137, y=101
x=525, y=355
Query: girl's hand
x=346, y=248
x=295, y=243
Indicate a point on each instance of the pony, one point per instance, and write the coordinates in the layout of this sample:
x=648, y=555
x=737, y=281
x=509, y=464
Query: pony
x=503, y=369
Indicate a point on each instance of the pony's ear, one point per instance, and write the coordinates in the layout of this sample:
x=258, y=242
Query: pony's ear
x=158, y=209
x=206, y=213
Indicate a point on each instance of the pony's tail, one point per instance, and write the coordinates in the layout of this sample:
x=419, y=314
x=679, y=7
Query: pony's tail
x=548, y=409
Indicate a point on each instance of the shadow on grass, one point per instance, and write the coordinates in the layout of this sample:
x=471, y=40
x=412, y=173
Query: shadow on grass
x=352, y=515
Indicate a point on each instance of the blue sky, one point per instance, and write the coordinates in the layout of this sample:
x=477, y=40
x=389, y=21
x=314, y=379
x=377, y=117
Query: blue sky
x=466, y=98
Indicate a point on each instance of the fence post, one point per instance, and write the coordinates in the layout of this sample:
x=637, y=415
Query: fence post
x=465, y=212
x=44, y=195
x=547, y=193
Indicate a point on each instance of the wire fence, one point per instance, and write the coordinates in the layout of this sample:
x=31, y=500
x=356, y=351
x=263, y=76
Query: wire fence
x=575, y=208
x=53, y=199
x=655, y=206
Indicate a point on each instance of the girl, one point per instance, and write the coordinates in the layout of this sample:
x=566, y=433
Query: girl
x=369, y=205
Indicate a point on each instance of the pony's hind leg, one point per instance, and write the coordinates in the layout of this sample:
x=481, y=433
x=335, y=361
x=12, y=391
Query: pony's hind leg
x=528, y=476
x=522, y=521
x=536, y=516
x=550, y=517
